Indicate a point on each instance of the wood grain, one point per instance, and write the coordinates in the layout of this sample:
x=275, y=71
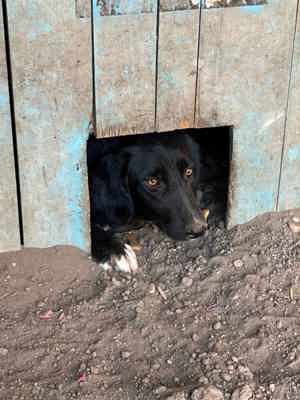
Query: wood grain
x=244, y=66
x=52, y=70
x=9, y=220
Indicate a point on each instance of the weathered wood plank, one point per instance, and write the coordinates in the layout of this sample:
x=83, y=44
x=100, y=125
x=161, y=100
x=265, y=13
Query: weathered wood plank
x=51, y=62
x=231, y=3
x=9, y=220
x=244, y=64
x=289, y=191
x=125, y=59
x=177, y=65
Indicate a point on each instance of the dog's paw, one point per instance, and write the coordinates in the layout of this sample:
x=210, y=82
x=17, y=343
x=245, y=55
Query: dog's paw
x=126, y=262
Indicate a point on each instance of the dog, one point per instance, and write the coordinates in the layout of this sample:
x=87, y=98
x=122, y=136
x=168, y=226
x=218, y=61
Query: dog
x=140, y=179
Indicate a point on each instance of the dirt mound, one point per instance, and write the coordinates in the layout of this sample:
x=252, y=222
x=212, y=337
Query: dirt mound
x=213, y=318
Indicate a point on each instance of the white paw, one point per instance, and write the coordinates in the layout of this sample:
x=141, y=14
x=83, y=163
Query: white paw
x=126, y=263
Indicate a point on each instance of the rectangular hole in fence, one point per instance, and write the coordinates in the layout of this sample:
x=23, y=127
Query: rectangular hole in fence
x=114, y=164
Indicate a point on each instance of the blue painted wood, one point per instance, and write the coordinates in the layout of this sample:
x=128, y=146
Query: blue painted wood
x=125, y=58
x=52, y=69
x=232, y=3
x=9, y=223
x=289, y=190
x=177, y=64
x=244, y=65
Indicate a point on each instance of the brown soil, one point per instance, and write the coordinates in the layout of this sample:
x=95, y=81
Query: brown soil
x=221, y=310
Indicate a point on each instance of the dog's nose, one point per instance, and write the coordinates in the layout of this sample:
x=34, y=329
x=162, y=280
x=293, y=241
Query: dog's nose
x=197, y=226
x=199, y=222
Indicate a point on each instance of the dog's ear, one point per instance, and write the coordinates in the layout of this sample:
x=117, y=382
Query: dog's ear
x=112, y=204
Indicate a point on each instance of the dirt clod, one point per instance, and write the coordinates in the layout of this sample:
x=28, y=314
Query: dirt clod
x=207, y=393
x=243, y=393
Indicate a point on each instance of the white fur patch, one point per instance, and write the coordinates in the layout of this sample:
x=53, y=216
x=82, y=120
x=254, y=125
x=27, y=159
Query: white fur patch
x=126, y=263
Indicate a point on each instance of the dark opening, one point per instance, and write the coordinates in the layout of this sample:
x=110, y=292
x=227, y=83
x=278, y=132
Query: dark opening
x=217, y=150
x=214, y=144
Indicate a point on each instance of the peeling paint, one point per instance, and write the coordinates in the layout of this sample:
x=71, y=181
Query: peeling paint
x=9, y=220
x=294, y=153
x=232, y=3
x=3, y=100
x=39, y=29
x=255, y=10
x=73, y=153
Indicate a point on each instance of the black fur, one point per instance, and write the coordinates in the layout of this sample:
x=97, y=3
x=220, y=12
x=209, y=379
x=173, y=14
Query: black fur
x=121, y=200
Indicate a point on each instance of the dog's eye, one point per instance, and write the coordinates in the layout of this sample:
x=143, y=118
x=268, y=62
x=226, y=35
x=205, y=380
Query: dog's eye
x=152, y=181
x=188, y=172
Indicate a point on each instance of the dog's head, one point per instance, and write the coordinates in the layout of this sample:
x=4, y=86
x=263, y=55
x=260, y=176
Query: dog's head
x=156, y=180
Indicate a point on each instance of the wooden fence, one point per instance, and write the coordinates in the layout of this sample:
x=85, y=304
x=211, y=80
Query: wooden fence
x=135, y=66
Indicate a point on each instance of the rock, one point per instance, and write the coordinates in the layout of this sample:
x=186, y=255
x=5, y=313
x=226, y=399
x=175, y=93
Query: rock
x=152, y=288
x=272, y=387
x=196, y=337
x=207, y=393
x=125, y=354
x=160, y=390
x=238, y=263
x=294, y=225
x=192, y=253
x=95, y=370
x=177, y=396
x=245, y=371
x=227, y=377
x=156, y=366
x=187, y=282
x=3, y=351
x=217, y=326
x=243, y=393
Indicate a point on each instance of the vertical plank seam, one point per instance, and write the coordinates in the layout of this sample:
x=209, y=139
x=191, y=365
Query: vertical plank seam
x=197, y=67
x=13, y=119
x=94, y=114
x=156, y=67
x=291, y=70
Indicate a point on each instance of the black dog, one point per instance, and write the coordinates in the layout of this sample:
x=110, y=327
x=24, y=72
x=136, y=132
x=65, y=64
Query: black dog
x=142, y=178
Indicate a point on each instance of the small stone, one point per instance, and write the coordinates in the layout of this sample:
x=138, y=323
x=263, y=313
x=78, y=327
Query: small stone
x=203, y=380
x=196, y=337
x=125, y=354
x=238, y=263
x=272, y=387
x=187, y=282
x=279, y=324
x=208, y=392
x=95, y=370
x=294, y=225
x=217, y=326
x=160, y=390
x=227, y=377
x=152, y=288
x=243, y=393
x=156, y=366
x=177, y=396
x=116, y=282
x=245, y=371
x=14, y=264
x=3, y=351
